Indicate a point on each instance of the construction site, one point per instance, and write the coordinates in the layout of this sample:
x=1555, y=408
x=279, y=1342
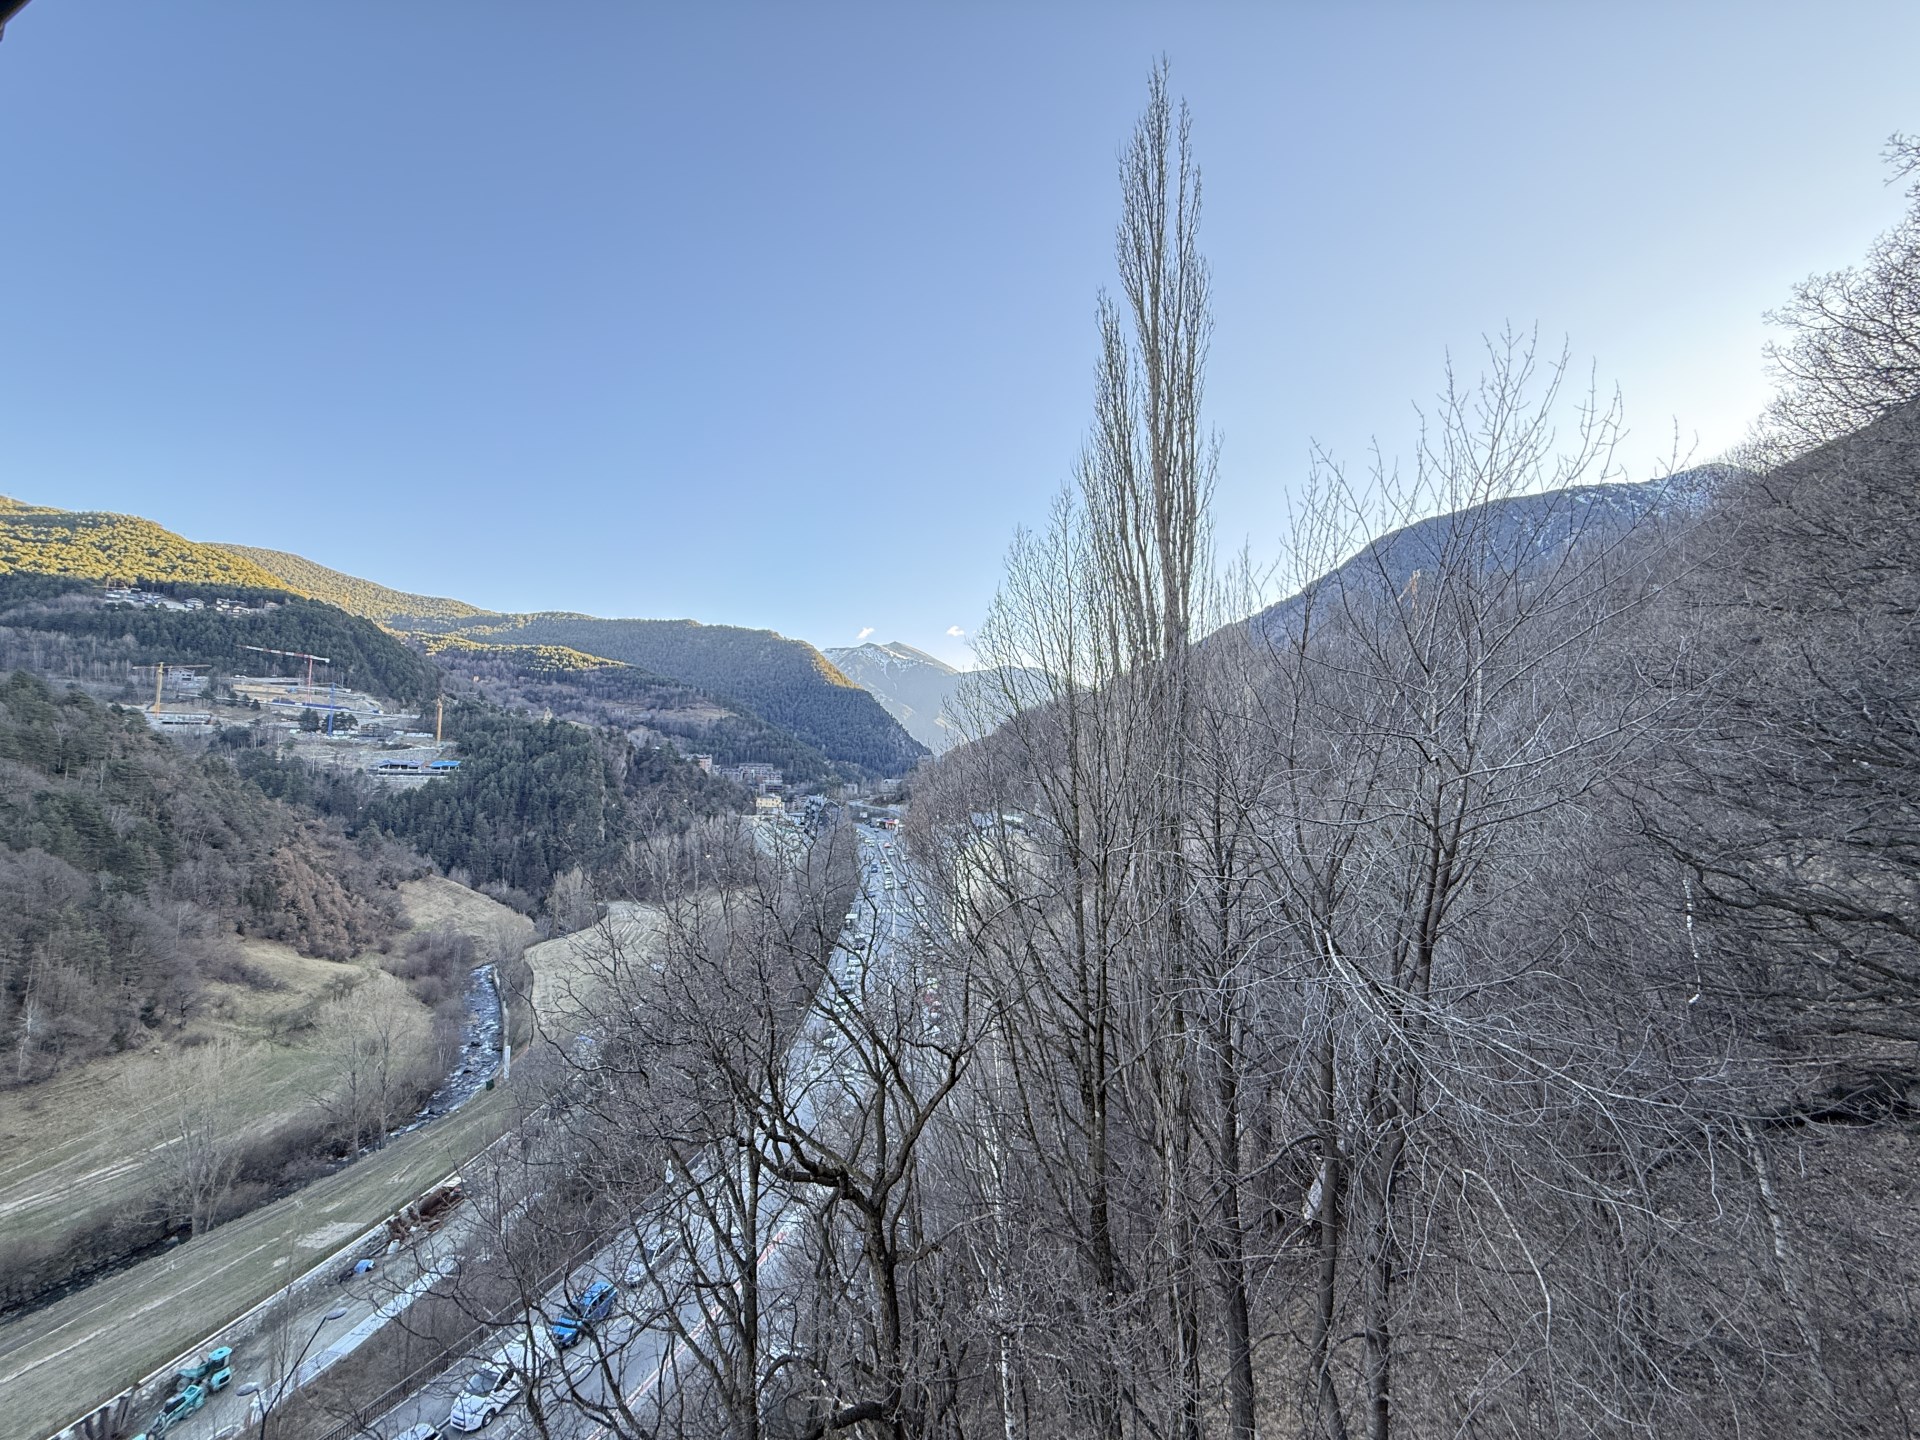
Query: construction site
x=325, y=722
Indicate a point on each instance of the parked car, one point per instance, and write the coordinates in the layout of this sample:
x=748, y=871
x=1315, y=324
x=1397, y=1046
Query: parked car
x=488, y=1392
x=581, y=1314
x=422, y=1431
x=654, y=1255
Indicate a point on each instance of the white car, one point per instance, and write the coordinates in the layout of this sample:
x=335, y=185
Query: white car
x=653, y=1256
x=488, y=1392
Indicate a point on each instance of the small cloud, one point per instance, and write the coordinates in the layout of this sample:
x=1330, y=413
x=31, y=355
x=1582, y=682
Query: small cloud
x=955, y=631
x=863, y=634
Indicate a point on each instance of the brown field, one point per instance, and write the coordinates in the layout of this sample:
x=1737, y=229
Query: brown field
x=569, y=972
x=60, y=1361
x=78, y=1145
x=435, y=902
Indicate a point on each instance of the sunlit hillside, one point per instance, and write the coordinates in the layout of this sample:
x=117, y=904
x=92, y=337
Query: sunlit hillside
x=117, y=549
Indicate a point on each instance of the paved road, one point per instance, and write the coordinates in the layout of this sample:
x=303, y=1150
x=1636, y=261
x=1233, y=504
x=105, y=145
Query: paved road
x=304, y=1330
x=636, y=1354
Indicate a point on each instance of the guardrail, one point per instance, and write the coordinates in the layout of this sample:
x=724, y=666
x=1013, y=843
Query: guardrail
x=451, y=1356
x=77, y=1428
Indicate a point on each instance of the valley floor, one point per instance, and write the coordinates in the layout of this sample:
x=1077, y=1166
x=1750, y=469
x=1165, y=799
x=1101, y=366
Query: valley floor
x=67, y=1150
x=56, y=1362
x=81, y=1145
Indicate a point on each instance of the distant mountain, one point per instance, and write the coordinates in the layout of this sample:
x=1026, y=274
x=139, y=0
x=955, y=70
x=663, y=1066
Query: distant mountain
x=1518, y=530
x=917, y=690
x=922, y=693
x=571, y=685
x=116, y=550
x=787, y=684
x=352, y=594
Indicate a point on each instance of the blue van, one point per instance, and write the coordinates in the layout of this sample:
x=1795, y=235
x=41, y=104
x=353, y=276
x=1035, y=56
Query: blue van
x=589, y=1309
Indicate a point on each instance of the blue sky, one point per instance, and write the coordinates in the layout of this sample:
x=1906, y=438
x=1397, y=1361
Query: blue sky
x=782, y=314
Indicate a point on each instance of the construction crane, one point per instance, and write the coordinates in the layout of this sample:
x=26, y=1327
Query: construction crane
x=160, y=680
x=312, y=693
x=293, y=655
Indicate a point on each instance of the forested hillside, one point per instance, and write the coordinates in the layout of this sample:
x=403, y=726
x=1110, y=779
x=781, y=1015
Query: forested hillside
x=1479, y=1000
x=125, y=861
x=785, y=682
x=1476, y=999
x=790, y=705
x=533, y=799
x=55, y=626
x=573, y=686
x=1517, y=530
x=47, y=554
x=460, y=650
x=352, y=594
x=115, y=549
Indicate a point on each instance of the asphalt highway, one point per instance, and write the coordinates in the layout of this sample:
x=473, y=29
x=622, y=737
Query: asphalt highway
x=636, y=1356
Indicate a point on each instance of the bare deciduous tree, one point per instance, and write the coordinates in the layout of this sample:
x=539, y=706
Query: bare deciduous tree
x=1852, y=355
x=191, y=1093
x=377, y=1041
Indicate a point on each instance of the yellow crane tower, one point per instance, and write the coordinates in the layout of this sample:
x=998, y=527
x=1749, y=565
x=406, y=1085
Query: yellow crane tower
x=160, y=681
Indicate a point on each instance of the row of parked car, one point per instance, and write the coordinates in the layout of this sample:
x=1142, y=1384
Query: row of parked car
x=493, y=1387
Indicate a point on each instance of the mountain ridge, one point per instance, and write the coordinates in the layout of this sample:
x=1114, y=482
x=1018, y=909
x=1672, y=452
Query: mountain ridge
x=919, y=690
x=773, y=678
x=112, y=548
x=1541, y=522
x=366, y=598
